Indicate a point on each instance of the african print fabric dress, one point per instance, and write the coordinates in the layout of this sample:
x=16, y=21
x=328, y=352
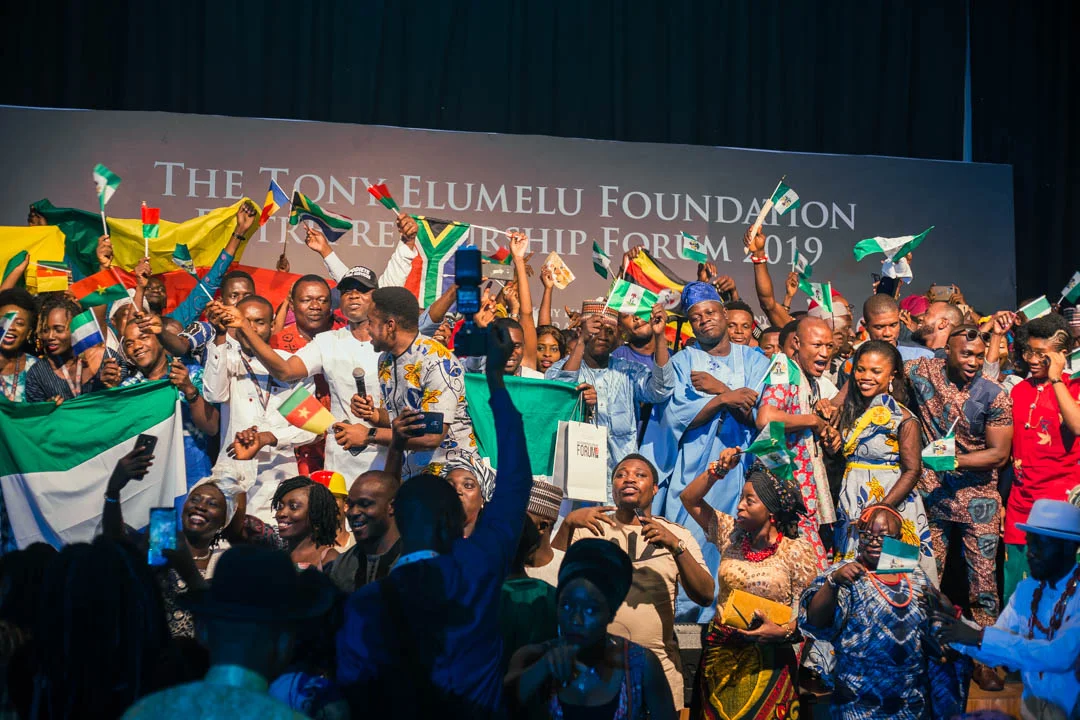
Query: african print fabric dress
x=740, y=679
x=872, y=451
x=888, y=663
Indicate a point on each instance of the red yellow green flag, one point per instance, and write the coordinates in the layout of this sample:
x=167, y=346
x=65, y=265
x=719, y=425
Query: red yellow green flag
x=303, y=410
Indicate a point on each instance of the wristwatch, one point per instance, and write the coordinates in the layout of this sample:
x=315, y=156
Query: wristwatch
x=371, y=434
x=680, y=548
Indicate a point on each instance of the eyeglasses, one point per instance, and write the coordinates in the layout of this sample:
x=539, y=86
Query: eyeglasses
x=870, y=538
x=971, y=334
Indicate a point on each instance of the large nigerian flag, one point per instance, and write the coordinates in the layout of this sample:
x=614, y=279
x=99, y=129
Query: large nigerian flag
x=53, y=469
x=436, y=241
x=543, y=403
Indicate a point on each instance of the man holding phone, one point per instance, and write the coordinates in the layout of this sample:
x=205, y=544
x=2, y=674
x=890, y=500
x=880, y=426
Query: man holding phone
x=418, y=373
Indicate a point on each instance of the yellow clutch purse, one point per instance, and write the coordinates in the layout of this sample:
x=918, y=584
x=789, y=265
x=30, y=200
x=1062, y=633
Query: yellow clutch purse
x=738, y=611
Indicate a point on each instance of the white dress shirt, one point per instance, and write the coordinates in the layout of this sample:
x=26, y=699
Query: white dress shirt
x=335, y=354
x=227, y=381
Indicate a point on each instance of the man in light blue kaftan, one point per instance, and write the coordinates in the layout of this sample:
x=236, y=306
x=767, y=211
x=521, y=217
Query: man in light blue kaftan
x=716, y=387
x=621, y=385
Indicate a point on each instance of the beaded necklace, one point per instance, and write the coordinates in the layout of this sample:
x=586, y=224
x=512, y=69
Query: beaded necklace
x=880, y=585
x=1058, y=614
x=752, y=555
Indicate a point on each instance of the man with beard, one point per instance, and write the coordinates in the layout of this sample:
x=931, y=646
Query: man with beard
x=369, y=510
x=1038, y=632
x=881, y=315
x=936, y=327
x=250, y=398
x=335, y=356
x=639, y=342
x=620, y=386
x=951, y=395
x=711, y=409
x=800, y=408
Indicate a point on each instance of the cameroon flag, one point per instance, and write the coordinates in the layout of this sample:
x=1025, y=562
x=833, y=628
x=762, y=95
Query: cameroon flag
x=303, y=410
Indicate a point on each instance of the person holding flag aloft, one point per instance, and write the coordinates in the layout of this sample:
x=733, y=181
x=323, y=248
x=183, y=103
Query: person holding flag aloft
x=75, y=360
x=710, y=409
x=952, y=398
x=793, y=394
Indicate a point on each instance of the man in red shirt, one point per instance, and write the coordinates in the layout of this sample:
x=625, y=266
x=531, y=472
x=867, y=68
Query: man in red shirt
x=311, y=305
x=1046, y=422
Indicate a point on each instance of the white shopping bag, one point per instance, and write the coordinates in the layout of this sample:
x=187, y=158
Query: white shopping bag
x=580, y=466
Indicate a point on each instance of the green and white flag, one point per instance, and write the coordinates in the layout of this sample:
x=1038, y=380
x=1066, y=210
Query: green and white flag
x=1073, y=364
x=784, y=199
x=821, y=293
x=893, y=248
x=692, y=249
x=182, y=257
x=1035, y=309
x=601, y=261
x=632, y=299
x=897, y=557
x=6, y=322
x=801, y=265
x=54, y=494
x=782, y=371
x=1071, y=292
x=106, y=182
x=770, y=447
x=940, y=455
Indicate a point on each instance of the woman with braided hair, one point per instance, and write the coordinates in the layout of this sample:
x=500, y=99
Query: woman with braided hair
x=888, y=662
x=307, y=521
x=751, y=673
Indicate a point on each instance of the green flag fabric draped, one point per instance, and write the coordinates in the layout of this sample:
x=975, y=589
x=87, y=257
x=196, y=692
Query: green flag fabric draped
x=543, y=403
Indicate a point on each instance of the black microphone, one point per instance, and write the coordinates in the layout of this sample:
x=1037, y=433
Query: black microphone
x=358, y=376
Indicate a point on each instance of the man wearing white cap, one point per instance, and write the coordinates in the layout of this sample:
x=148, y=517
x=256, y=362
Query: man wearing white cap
x=1038, y=633
x=341, y=356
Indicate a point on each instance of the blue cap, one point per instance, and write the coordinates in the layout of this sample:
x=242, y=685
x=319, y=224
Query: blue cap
x=698, y=292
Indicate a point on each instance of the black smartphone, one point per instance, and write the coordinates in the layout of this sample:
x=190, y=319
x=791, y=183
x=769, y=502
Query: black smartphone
x=887, y=286
x=433, y=423
x=148, y=442
x=162, y=534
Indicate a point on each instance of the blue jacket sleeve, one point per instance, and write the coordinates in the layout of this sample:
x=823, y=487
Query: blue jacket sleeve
x=499, y=526
x=196, y=301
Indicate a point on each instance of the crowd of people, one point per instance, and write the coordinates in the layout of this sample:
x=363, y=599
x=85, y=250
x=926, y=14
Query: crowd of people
x=387, y=566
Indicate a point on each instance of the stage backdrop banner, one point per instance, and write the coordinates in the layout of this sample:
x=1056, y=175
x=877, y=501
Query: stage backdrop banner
x=564, y=193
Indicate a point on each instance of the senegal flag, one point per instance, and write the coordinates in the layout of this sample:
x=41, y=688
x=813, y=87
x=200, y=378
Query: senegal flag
x=57, y=496
x=303, y=410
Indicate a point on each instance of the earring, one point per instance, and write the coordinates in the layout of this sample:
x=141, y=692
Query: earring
x=890, y=386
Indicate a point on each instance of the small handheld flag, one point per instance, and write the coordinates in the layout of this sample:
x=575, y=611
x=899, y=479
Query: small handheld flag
x=500, y=257
x=692, y=249
x=43, y=277
x=632, y=299
x=782, y=371
x=85, y=332
x=940, y=455
x=897, y=557
x=6, y=322
x=801, y=265
x=100, y=288
x=303, y=410
x=770, y=447
x=601, y=262
x=382, y=194
x=1073, y=363
x=275, y=199
x=182, y=257
x=106, y=182
x=1035, y=309
x=894, y=248
x=332, y=224
x=150, y=219
x=1071, y=291
x=821, y=293
x=784, y=199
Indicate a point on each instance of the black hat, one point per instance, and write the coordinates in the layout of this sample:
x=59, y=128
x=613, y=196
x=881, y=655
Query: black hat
x=601, y=562
x=358, y=278
x=256, y=583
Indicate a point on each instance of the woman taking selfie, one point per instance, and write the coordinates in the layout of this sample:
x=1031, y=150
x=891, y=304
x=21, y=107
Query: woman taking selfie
x=751, y=673
x=587, y=672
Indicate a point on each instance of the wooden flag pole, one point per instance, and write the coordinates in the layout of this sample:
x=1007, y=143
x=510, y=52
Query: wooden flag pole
x=146, y=240
x=765, y=210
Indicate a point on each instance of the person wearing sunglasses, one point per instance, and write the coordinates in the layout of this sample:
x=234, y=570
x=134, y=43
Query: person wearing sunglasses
x=951, y=395
x=889, y=664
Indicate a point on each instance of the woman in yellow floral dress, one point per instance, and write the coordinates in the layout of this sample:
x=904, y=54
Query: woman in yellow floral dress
x=882, y=447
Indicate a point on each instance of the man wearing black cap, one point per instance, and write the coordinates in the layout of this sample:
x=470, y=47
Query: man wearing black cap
x=247, y=620
x=337, y=355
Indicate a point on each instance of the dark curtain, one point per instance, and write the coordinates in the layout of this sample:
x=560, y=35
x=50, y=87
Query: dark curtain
x=1025, y=83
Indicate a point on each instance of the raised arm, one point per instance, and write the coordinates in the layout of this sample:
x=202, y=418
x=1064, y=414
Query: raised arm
x=693, y=495
x=132, y=466
x=778, y=314
x=518, y=245
x=290, y=369
x=548, y=281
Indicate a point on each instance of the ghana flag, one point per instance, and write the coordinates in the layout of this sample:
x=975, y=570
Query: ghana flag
x=303, y=410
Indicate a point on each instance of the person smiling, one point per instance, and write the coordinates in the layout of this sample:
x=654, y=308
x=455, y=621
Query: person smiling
x=369, y=510
x=307, y=521
x=61, y=375
x=15, y=345
x=665, y=555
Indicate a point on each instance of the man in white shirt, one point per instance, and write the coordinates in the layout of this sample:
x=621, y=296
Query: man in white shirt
x=336, y=354
x=250, y=398
x=397, y=268
x=1038, y=633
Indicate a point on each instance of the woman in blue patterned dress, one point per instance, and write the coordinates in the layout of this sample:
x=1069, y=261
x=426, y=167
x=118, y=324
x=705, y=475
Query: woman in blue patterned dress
x=888, y=662
x=882, y=447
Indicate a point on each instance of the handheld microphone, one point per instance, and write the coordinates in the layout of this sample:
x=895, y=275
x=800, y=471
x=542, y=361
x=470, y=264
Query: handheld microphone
x=358, y=376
